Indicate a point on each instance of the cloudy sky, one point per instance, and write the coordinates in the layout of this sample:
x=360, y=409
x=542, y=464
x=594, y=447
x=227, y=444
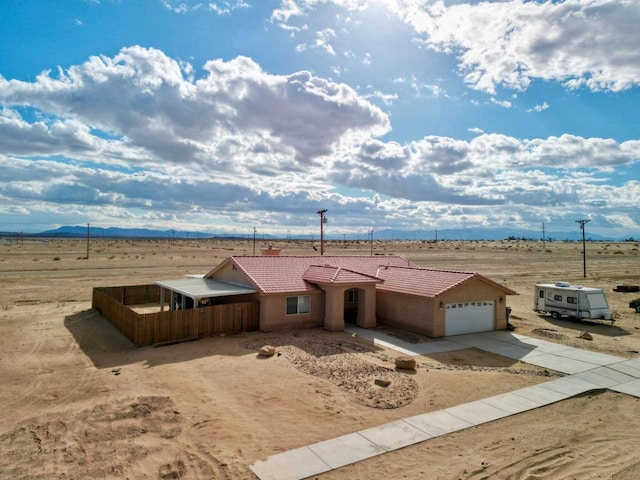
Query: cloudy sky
x=223, y=116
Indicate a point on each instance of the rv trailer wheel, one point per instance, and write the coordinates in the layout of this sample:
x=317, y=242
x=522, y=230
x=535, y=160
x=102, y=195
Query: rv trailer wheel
x=637, y=308
x=555, y=315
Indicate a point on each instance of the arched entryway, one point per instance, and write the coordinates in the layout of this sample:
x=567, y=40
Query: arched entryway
x=351, y=302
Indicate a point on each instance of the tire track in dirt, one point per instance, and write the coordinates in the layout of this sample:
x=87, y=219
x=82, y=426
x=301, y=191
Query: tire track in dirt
x=604, y=454
x=135, y=438
x=46, y=350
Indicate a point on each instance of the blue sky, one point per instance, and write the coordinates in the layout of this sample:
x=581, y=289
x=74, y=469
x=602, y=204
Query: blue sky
x=229, y=115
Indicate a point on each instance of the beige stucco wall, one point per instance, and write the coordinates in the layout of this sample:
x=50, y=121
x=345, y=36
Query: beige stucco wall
x=335, y=305
x=423, y=315
x=273, y=312
x=407, y=312
x=473, y=291
x=228, y=274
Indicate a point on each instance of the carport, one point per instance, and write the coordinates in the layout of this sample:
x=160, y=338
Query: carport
x=194, y=292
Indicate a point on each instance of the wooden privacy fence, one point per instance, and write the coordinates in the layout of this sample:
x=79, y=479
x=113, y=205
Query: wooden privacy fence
x=170, y=326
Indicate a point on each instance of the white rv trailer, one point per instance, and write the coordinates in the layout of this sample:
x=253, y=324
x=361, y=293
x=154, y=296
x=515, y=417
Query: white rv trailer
x=562, y=298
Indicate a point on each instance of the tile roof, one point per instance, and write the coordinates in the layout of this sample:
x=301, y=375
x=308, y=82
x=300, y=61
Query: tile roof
x=428, y=282
x=291, y=274
x=336, y=275
x=284, y=274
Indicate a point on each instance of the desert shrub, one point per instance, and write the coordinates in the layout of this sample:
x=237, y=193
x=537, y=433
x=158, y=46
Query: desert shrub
x=56, y=258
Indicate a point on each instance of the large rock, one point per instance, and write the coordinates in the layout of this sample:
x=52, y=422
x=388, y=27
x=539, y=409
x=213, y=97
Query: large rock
x=586, y=336
x=381, y=382
x=267, y=351
x=406, y=362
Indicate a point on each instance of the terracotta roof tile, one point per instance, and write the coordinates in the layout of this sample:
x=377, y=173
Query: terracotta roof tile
x=327, y=274
x=427, y=282
x=283, y=274
x=289, y=274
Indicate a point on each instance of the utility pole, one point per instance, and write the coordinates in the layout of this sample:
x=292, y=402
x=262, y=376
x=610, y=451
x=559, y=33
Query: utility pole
x=323, y=220
x=584, y=249
x=371, y=241
x=88, y=230
x=254, y=241
x=543, y=240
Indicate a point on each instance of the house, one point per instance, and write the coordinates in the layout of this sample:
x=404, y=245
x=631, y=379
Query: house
x=311, y=291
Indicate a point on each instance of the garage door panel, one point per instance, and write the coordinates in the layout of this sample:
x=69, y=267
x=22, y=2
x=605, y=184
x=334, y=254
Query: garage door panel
x=469, y=317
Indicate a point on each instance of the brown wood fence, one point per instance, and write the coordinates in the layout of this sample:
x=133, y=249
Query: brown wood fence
x=170, y=326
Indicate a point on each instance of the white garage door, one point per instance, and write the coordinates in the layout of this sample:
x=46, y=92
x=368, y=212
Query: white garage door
x=468, y=317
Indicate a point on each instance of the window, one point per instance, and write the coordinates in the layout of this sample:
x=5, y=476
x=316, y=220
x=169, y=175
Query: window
x=571, y=300
x=298, y=305
x=352, y=296
x=557, y=298
x=541, y=293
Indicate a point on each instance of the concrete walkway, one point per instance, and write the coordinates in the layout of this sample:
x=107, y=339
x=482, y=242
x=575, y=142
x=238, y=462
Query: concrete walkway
x=585, y=371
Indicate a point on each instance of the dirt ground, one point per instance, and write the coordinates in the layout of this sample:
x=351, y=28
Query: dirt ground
x=78, y=401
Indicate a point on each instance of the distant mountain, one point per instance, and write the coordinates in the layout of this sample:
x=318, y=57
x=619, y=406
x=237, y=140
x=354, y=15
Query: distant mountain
x=470, y=234
x=116, y=232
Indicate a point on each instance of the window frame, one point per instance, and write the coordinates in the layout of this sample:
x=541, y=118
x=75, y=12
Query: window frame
x=352, y=295
x=302, y=302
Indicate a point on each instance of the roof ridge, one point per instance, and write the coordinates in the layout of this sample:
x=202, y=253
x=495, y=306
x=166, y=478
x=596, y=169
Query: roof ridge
x=335, y=275
x=429, y=269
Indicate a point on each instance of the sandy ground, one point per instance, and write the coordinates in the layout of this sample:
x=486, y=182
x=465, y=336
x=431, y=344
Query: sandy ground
x=78, y=401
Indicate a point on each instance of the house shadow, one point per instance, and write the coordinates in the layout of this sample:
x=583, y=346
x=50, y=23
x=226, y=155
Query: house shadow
x=582, y=325
x=106, y=347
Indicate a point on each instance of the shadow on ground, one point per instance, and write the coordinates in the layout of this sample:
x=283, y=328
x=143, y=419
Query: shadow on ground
x=601, y=327
x=106, y=347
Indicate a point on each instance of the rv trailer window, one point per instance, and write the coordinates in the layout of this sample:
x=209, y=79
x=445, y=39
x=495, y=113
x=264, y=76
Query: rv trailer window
x=571, y=300
x=541, y=293
x=557, y=298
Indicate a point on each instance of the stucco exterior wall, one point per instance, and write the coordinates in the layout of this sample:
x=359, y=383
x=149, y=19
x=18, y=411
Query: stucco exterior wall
x=408, y=312
x=228, y=274
x=423, y=315
x=273, y=312
x=473, y=291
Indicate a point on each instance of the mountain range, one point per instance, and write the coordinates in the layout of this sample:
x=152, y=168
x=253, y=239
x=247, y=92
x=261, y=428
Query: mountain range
x=388, y=234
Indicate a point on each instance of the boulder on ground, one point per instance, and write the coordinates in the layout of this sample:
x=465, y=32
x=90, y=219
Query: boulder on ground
x=586, y=336
x=381, y=382
x=406, y=362
x=267, y=351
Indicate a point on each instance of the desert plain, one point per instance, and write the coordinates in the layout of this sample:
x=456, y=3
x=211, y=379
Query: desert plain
x=79, y=401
